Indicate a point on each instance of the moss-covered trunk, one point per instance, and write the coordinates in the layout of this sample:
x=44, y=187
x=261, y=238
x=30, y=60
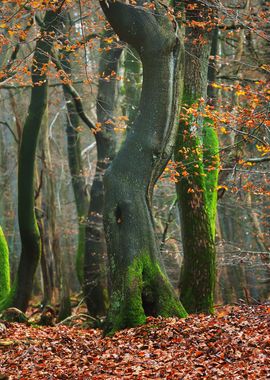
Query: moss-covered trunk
x=4, y=267
x=96, y=261
x=138, y=283
x=30, y=237
x=196, y=153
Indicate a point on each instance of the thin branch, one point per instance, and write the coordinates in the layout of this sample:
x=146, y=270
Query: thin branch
x=16, y=87
x=168, y=222
x=73, y=92
x=11, y=131
x=88, y=149
x=256, y=160
x=234, y=78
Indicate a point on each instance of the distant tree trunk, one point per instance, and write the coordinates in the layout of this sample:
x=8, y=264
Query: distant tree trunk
x=76, y=167
x=197, y=150
x=138, y=282
x=30, y=237
x=4, y=268
x=96, y=260
x=65, y=303
x=46, y=203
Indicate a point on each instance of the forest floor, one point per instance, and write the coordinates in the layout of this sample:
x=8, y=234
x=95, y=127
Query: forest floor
x=233, y=344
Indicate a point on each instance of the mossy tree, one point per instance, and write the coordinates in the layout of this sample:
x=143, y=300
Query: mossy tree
x=139, y=286
x=20, y=292
x=4, y=267
x=197, y=150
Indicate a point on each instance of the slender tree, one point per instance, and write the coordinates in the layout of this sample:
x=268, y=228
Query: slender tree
x=4, y=267
x=139, y=286
x=96, y=261
x=21, y=291
x=197, y=149
x=74, y=155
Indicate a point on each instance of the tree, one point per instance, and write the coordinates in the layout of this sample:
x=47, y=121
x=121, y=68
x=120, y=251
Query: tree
x=197, y=154
x=96, y=261
x=4, y=267
x=139, y=286
x=21, y=290
x=74, y=151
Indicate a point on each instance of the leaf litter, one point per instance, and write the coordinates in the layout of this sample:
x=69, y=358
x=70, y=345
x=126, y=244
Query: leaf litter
x=232, y=344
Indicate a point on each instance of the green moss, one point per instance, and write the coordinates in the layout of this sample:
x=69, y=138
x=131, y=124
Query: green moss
x=211, y=164
x=7, y=302
x=126, y=308
x=159, y=291
x=4, y=267
x=145, y=290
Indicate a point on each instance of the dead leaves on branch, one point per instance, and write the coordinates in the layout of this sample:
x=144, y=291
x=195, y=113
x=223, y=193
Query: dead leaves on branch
x=234, y=344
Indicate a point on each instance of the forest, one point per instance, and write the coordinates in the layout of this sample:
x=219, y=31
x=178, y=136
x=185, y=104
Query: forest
x=134, y=189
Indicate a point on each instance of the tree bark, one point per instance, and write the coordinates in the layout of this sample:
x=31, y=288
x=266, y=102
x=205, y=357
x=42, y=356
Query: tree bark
x=139, y=286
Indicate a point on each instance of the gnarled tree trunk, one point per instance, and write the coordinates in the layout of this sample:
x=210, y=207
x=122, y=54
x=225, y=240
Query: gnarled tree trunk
x=139, y=286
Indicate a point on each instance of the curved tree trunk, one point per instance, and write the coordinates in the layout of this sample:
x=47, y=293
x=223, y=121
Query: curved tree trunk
x=197, y=149
x=139, y=285
x=95, y=263
x=30, y=237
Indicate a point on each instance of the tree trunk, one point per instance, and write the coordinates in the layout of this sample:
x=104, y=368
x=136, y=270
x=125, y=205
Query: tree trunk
x=45, y=202
x=4, y=267
x=139, y=285
x=197, y=150
x=30, y=237
x=95, y=264
x=76, y=167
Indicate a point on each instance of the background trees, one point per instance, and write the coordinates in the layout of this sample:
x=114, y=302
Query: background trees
x=237, y=112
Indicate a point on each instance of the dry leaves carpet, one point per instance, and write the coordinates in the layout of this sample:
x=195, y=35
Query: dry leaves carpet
x=233, y=344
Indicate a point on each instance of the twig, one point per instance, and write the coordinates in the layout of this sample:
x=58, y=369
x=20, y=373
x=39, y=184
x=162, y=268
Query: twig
x=77, y=316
